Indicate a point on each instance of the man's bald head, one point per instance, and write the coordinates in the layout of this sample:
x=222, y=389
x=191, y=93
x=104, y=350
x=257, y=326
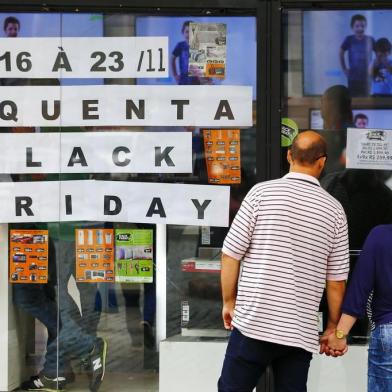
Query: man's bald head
x=307, y=148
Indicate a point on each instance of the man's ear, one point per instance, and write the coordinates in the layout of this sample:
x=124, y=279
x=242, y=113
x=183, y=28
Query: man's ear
x=322, y=162
x=289, y=157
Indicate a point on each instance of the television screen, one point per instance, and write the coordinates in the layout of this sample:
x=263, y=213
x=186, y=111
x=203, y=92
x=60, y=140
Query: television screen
x=331, y=38
x=241, y=46
x=54, y=25
x=363, y=118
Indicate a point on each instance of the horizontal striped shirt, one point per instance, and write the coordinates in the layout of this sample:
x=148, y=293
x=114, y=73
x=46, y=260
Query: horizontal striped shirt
x=291, y=236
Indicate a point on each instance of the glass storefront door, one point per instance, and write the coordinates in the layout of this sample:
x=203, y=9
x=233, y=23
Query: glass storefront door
x=337, y=82
x=129, y=142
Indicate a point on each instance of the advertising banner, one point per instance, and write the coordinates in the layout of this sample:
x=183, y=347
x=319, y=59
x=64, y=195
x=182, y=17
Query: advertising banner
x=134, y=255
x=29, y=256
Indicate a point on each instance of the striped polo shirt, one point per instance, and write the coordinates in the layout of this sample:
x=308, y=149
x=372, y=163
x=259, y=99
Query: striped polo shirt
x=291, y=236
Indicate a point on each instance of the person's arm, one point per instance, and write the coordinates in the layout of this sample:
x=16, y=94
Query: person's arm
x=174, y=67
x=360, y=287
x=371, y=69
x=345, y=324
x=230, y=270
x=335, y=295
x=343, y=61
x=234, y=248
x=338, y=265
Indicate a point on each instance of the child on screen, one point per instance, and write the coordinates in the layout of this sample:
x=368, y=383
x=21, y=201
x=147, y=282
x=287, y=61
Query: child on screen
x=359, y=48
x=381, y=68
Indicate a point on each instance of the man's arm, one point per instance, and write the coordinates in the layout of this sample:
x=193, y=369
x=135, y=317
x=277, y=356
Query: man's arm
x=230, y=270
x=335, y=296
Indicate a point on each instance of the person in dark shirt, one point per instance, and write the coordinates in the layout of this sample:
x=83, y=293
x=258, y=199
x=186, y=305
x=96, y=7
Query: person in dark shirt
x=181, y=51
x=11, y=27
x=373, y=274
x=359, y=47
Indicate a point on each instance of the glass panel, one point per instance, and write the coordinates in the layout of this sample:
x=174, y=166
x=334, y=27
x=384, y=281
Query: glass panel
x=332, y=90
x=121, y=285
x=31, y=247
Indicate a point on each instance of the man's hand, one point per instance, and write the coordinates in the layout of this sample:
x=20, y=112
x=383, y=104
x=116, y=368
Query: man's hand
x=324, y=349
x=228, y=314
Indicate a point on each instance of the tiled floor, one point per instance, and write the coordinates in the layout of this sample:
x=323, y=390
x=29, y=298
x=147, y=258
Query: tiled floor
x=128, y=368
x=146, y=381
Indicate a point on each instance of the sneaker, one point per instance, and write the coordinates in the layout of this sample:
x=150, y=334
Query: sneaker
x=97, y=360
x=43, y=383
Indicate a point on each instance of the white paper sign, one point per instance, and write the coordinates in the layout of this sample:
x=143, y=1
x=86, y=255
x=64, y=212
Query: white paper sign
x=96, y=152
x=115, y=201
x=181, y=204
x=125, y=105
x=84, y=57
x=17, y=198
x=369, y=149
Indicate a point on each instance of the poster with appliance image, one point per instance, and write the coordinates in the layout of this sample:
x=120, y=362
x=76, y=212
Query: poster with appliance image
x=94, y=250
x=28, y=256
x=223, y=155
x=134, y=255
x=207, y=50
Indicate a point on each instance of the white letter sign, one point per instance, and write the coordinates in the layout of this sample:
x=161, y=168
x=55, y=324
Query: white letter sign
x=82, y=57
x=96, y=152
x=114, y=201
x=125, y=105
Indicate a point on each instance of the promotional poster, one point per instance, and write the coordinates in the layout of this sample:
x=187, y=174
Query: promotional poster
x=94, y=255
x=223, y=155
x=29, y=256
x=134, y=255
x=207, y=50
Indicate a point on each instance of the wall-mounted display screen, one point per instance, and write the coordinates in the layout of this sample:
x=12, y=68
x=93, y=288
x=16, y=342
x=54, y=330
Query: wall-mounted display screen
x=362, y=118
x=354, y=51
x=240, y=50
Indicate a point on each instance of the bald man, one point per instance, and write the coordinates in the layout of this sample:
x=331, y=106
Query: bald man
x=289, y=240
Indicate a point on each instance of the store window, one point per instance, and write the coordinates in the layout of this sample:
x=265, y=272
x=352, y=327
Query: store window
x=128, y=143
x=337, y=81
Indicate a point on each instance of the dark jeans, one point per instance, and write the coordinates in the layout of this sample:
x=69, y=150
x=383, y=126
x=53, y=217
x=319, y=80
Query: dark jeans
x=246, y=360
x=38, y=301
x=78, y=330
